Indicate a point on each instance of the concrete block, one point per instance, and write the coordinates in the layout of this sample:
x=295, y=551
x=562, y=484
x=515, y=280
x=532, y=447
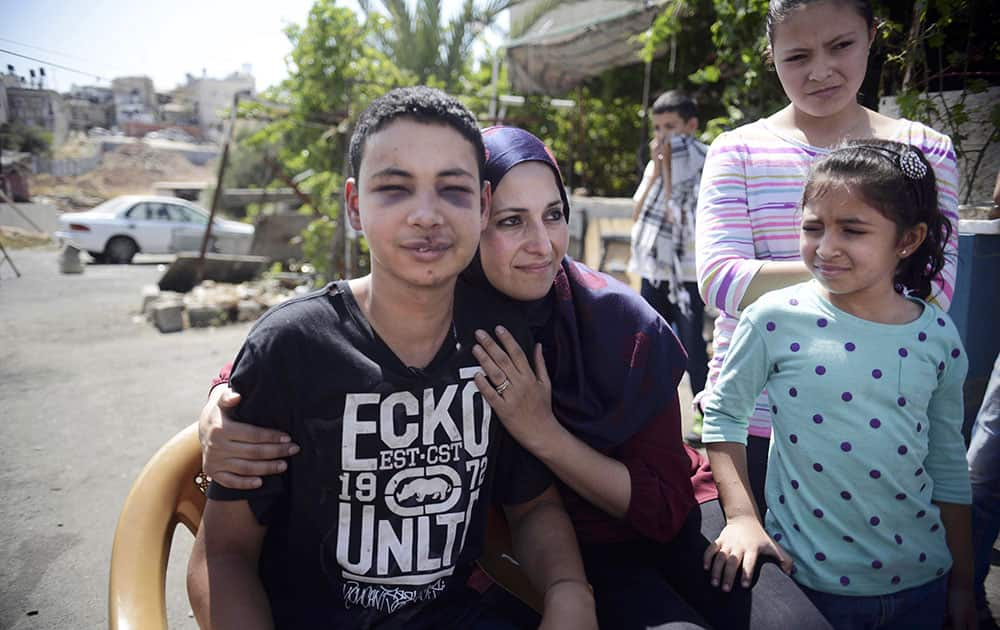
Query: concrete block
x=150, y=293
x=248, y=310
x=279, y=236
x=204, y=315
x=168, y=316
x=183, y=274
x=69, y=260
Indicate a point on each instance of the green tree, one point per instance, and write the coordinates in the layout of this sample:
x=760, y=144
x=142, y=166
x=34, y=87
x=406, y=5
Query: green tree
x=734, y=73
x=923, y=48
x=939, y=58
x=335, y=69
x=18, y=136
x=434, y=51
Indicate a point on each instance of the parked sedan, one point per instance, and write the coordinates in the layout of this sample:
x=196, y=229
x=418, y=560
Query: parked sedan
x=122, y=227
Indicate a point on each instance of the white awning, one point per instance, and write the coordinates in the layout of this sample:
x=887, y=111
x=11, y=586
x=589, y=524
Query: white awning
x=576, y=41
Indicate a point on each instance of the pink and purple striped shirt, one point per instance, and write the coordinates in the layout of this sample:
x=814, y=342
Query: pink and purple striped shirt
x=747, y=215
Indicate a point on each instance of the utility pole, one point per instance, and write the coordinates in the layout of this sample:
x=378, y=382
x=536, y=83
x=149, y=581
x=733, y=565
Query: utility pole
x=349, y=236
x=217, y=194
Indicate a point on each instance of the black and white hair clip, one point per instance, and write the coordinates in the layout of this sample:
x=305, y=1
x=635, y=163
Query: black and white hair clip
x=911, y=164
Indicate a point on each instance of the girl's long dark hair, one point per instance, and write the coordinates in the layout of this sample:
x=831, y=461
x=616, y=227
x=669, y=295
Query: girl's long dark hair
x=884, y=174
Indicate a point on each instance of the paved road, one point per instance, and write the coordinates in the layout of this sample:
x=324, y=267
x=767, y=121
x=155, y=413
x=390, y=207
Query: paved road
x=87, y=394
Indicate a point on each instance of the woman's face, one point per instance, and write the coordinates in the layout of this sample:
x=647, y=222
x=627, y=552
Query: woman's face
x=821, y=55
x=527, y=234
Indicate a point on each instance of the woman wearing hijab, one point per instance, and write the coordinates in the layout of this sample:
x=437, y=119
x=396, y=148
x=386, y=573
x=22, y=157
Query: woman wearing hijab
x=599, y=406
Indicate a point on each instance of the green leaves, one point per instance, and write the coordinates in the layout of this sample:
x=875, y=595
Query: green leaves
x=708, y=74
x=424, y=46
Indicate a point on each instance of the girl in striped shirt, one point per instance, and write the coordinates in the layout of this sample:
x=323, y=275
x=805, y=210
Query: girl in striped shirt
x=746, y=227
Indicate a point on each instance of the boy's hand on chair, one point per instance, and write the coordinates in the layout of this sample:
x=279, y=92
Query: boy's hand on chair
x=739, y=546
x=236, y=454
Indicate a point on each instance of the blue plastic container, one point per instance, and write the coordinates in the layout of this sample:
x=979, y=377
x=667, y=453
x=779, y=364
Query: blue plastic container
x=975, y=307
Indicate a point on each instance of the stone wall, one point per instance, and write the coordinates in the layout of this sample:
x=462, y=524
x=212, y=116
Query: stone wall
x=976, y=131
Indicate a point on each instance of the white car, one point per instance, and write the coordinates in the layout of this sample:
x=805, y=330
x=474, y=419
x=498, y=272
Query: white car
x=122, y=227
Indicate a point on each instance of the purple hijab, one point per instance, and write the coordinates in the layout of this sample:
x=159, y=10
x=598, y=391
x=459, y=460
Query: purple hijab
x=613, y=361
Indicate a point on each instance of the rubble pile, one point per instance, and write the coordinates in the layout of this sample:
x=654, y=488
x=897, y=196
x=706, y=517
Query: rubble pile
x=18, y=238
x=132, y=169
x=216, y=303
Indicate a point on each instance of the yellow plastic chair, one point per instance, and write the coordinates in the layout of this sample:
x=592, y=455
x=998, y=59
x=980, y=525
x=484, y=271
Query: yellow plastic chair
x=169, y=492
x=498, y=562
x=165, y=494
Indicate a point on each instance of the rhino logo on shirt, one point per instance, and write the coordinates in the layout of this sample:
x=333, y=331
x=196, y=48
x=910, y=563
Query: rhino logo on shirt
x=435, y=488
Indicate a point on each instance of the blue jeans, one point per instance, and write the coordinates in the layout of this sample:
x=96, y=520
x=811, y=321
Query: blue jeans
x=913, y=609
x=984, y=471
x=688, y=327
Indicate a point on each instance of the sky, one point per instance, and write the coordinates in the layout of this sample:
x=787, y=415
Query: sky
x=161, y=40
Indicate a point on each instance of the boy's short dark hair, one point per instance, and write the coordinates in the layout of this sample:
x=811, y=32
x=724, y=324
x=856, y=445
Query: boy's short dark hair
x=421, y=104
x=677, y=102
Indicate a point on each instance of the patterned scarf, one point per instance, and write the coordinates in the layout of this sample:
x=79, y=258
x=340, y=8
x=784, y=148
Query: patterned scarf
x=614, y=363
x=665, y=228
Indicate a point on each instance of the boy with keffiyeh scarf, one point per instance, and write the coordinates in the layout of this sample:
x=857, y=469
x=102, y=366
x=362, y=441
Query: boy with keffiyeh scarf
x=663, y=234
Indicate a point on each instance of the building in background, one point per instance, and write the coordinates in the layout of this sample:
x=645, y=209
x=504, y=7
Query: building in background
x=90, y=106
x=210, y=98
x=37, y=107
x=4, y=108
x=177, y=109
x=135, y=100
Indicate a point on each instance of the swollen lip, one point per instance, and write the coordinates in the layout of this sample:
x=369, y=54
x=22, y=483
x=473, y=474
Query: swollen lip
x=428, y=247
x=427, y=253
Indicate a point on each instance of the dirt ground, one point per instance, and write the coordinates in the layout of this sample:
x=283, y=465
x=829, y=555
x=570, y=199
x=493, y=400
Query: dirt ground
x=131, y=169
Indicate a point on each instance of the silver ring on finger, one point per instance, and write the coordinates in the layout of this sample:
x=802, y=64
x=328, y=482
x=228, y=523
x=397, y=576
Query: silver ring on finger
x=502, y=387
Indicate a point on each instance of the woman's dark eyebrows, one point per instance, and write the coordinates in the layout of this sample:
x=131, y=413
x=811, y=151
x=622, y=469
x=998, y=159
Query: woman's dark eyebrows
x=548, y=206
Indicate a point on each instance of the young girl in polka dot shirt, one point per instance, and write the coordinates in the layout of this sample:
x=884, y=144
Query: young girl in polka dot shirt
x=867, y=487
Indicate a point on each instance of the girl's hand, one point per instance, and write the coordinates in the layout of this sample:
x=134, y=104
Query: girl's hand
x=236, y=454
x=521, y=396
x=739, y=545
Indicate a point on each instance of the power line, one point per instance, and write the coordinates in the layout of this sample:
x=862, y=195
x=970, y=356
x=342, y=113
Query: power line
x=54, y=65
x=47, y=50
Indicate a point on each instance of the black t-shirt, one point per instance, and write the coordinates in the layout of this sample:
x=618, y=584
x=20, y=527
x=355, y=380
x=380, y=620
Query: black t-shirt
x=382, y=513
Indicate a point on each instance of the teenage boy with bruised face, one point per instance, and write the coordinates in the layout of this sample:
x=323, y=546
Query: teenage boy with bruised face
x=379, y=519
